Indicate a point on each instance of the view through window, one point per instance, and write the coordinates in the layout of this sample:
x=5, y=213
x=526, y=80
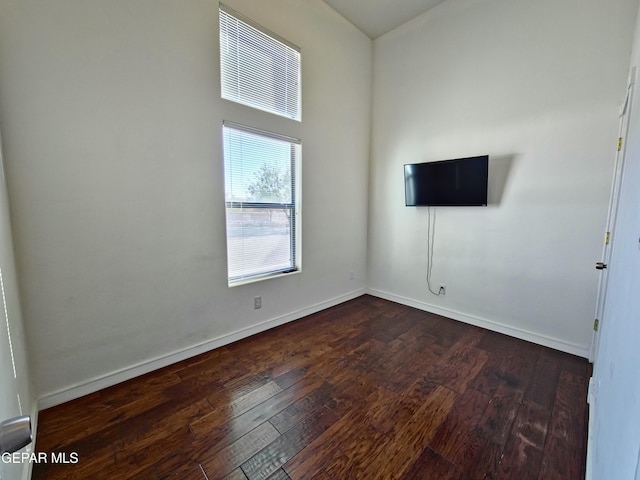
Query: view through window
x=262, y=194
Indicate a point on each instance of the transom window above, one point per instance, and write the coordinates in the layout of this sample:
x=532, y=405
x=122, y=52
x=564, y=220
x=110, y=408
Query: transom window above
x=258, y=68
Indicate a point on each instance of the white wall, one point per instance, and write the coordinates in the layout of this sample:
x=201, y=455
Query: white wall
x=112, y=123
x=536, y=85
x=615, y=437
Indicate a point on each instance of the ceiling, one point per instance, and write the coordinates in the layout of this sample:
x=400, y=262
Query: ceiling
x=377, y=17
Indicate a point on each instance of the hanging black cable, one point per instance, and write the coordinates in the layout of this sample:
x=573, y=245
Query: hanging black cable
x=431, y=236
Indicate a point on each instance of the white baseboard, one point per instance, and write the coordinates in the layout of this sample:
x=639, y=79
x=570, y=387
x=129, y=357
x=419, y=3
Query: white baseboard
x=563, y=346
x=81, y=389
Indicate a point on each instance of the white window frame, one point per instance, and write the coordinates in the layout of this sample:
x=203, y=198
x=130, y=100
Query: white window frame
x=262, y=70
x=247, y=47
x=294, y=206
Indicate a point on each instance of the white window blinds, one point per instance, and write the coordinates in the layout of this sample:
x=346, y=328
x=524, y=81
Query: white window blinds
x=261, y=203
x=258, y=68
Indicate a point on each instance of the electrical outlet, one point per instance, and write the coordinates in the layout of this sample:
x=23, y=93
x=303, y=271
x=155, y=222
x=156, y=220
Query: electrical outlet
x=257, y=303
x=443, y=289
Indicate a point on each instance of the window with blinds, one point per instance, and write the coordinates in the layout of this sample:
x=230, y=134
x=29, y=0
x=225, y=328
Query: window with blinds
x=258, y=68
x=261, y=198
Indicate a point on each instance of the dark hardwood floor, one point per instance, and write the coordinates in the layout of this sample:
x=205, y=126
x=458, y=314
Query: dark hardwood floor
x=368, y=389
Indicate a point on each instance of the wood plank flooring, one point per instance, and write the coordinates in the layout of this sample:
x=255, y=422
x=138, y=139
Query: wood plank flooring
x=366, y=390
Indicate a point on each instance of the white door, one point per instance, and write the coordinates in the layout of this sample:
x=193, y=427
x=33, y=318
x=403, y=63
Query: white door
x=611, y=217
x=599, y=324
x=14, y=383
x=10, y=404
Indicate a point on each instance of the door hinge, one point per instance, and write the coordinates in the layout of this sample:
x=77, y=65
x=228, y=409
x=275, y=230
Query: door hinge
x=607, y=238
x=619, y=144
x=596, y=322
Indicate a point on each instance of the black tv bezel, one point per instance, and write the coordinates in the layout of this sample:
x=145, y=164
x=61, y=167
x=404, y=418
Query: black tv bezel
x=447, y=204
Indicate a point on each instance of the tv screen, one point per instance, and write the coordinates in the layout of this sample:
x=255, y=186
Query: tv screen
x=458, y=182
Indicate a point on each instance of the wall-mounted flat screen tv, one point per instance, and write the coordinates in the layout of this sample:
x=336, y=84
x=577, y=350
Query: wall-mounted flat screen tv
x=459, y=182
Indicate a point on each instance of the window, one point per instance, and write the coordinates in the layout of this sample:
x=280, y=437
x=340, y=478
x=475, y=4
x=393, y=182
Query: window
x=261, y=70
x=262, y=202
x=258, y=68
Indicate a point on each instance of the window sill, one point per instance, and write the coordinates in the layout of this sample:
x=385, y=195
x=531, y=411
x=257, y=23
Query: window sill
x=261, y=278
